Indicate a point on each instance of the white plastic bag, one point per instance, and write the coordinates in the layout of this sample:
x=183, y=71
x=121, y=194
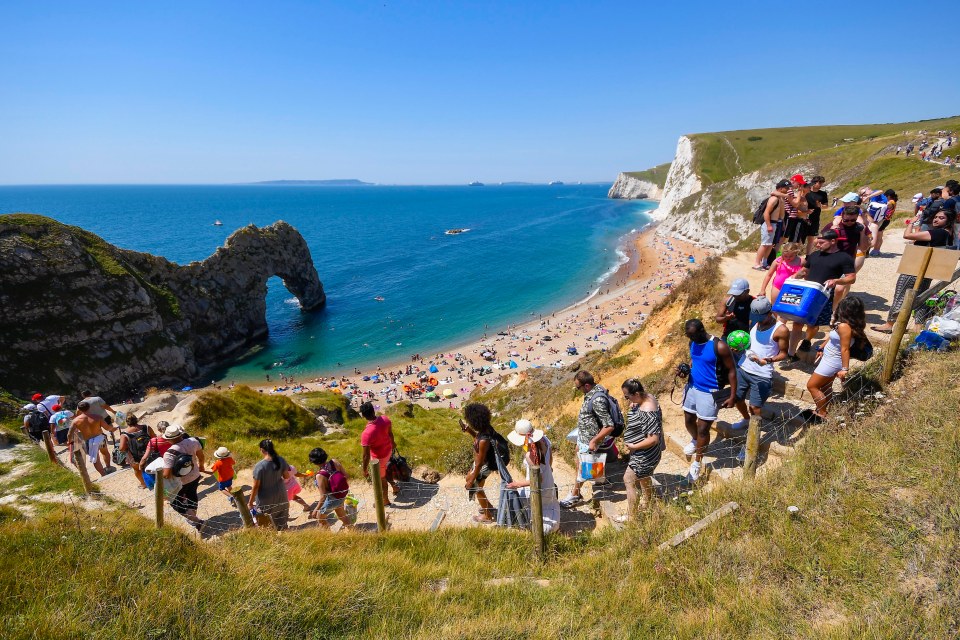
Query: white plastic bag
x=946, y=327
x=592, y=467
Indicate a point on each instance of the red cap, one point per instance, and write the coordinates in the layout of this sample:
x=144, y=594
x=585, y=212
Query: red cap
x=37, y=397
x=798, y=179
x=57, y=407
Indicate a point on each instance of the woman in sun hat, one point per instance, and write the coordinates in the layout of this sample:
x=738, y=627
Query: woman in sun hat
x=537, y=451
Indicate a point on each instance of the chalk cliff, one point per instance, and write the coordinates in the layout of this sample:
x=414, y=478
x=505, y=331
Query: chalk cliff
x=628, y=187
x=80, y=312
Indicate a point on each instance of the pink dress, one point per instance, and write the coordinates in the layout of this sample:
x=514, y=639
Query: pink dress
x=293, y=486
x=784, y=271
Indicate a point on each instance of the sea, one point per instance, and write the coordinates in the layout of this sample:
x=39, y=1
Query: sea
x=530, y=250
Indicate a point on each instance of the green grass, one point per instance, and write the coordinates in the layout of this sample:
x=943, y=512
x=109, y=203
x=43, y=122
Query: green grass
x=725, y=154
x=241, y=417
x=657, y=175
x=872, y=554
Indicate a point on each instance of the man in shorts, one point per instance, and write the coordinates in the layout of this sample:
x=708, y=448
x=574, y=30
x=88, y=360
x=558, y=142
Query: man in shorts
x=594, y=428
x=768, y=345
x=700, y=407
x=89, y=429
x=377, y=442
x=770, y=225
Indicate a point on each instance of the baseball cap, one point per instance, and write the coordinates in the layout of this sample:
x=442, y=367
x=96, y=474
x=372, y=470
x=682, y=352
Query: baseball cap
x=829, y=234
x=850, y=197
x=740, y=285
x=798, y=178
x=37, y=397
x=784, y=183
x=917, y=196
x=761, y=306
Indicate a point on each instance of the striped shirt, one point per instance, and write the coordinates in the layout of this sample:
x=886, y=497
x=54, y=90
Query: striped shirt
x=641, y=425
x=789, y=208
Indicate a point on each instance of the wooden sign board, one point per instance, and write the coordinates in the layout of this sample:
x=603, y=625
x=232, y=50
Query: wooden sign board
x=943, y=262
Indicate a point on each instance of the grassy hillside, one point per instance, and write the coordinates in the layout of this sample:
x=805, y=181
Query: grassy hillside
x=725, y=154
x=241, y=417
x=657, y=175
x=872, y=554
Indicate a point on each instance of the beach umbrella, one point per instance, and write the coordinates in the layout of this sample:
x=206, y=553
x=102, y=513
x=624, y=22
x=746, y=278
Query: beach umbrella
x=513, y=365
x=433, y=368
x=448, y=393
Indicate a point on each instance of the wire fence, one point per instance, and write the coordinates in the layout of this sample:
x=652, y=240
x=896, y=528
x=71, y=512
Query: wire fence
x=417, y=504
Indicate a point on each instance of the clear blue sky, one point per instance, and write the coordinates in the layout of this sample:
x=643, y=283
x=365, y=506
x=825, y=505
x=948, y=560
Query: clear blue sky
x=445, y=92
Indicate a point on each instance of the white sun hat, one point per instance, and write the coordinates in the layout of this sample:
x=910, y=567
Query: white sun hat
x=521, y=430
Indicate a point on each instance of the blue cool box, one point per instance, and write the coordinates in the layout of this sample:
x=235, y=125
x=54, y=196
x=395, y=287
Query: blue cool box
x=801, y=300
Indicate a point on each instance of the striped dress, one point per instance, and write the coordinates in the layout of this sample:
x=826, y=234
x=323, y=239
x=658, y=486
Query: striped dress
x=640, y=425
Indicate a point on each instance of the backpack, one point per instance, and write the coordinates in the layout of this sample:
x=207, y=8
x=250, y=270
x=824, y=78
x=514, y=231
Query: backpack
x=183, y=463
x=861, y=349
x=761, y=208
x=615, y=414
x=37, y=422
x=137, y=443
x=337, y=481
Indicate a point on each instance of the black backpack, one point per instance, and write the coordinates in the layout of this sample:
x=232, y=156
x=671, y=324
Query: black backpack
x=37, y=422
x=182, y=464
x=615, y=414
x=137, y=442
x=758, y=213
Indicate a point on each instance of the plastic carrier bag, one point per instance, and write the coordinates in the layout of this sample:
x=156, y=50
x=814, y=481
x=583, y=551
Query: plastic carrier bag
x=352, y=506
x=592, y=466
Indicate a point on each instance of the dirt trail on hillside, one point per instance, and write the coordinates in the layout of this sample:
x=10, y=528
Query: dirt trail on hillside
x=420, y=503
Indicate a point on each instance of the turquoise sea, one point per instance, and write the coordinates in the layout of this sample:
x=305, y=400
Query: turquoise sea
x=530, y=250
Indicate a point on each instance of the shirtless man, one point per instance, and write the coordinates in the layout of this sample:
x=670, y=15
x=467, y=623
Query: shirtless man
x=90, y=429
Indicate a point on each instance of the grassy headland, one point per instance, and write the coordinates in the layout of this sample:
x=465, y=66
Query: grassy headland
x=657, y=175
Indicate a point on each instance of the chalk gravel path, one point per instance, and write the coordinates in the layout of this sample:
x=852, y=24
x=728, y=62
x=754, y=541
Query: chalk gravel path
x=420, y=504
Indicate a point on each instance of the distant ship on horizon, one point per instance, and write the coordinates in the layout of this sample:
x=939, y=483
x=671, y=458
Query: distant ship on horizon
x=555, y=183
x=475, y=183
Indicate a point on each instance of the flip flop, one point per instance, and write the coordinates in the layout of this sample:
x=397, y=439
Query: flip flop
x=879, y=330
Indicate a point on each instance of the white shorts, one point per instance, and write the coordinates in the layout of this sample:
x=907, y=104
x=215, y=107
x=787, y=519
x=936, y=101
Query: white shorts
x=828, y=367
x=766, y=237
x=702, y=403
x=93, y=446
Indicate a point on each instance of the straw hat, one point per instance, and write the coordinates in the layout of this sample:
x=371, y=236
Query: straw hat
x=221, y=453
x=172, y=432
x=521, y=430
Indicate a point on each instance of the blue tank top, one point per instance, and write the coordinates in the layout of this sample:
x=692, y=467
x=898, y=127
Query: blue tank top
x=703, y=366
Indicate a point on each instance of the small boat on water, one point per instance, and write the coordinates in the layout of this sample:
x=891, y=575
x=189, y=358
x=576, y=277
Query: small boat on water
x=379, y=298
x=555, y=183
x=454, y=232
x=475, y=183
x=217, y=223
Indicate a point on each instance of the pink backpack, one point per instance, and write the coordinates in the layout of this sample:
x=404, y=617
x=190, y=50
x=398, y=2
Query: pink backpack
x=337, y=480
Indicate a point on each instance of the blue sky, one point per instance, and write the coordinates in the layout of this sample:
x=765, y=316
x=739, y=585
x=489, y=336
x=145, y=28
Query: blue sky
x=428, y=93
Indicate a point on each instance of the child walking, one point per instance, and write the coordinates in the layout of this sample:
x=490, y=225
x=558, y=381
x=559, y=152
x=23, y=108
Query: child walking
x=294, y=488
x=331, y=480
x=222, y=467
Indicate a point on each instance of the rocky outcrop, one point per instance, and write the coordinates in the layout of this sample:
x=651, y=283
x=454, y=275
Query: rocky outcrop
x=628, y=187
x=79, y=312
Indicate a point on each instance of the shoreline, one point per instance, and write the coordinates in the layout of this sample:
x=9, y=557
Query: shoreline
x=614, y=309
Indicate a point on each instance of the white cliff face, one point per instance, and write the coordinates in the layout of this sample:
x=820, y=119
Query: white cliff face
x=682, y=180
x=630, y=188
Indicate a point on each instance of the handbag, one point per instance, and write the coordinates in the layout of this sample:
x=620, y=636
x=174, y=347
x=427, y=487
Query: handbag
x=398, y=468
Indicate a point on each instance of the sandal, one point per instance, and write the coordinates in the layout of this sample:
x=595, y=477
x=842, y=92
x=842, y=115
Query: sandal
x=483, y=520
x=882, y=330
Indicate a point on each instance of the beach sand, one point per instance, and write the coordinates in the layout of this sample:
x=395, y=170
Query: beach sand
x=616, y=310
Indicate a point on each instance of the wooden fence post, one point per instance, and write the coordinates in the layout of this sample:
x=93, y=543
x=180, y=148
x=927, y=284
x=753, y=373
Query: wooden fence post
x=82, y=466
x=536, y=512
x=900, y=327
x=158, y=495
x=242, y=508
x=378, y=495
x=699, y=526
x=48, y=443
x=753, y=447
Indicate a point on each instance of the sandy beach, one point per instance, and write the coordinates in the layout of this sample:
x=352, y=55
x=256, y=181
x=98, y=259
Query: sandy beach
x=618, y=308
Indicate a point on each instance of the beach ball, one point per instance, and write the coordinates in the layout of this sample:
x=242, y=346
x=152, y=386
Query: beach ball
x=738, y=340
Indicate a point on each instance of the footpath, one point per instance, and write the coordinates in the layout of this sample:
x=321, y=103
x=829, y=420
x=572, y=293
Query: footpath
x=423, y=506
